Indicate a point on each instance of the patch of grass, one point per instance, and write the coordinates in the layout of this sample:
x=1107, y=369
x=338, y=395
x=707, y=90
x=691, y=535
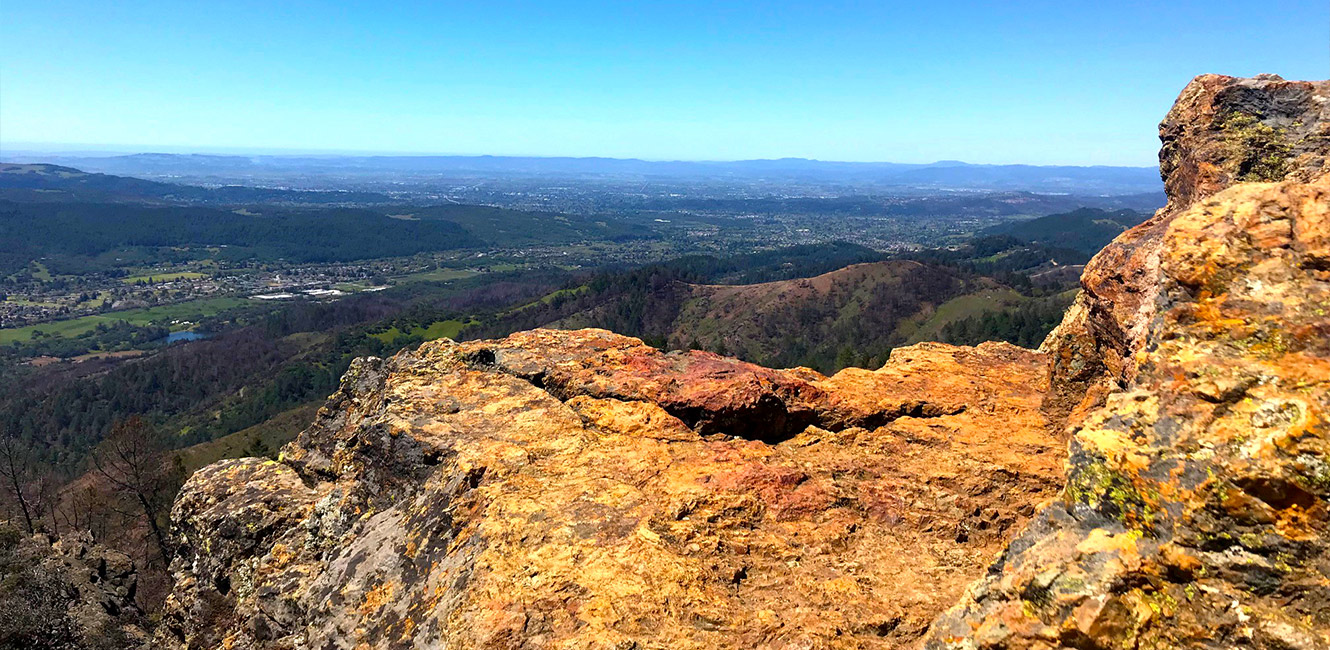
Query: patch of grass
x=438, y=275
x=154, y=278
x=40, y=272
x=549, y=298
x=959, y=308
x=30, y=303
x=436, y=330
x=76, y=326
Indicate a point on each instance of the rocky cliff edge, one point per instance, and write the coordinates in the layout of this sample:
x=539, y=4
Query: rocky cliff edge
x=582, y=490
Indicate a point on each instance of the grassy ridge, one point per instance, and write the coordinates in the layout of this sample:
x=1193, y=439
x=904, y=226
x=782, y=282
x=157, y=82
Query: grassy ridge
x=928, y=327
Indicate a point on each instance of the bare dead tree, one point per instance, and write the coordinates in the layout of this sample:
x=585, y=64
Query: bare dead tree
x=134, y=462
x=83, y=508
x=24, y=482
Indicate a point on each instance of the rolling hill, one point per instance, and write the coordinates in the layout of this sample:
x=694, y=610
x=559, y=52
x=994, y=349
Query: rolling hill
x=853, y=315
x=1086, y=230
x=65, y=213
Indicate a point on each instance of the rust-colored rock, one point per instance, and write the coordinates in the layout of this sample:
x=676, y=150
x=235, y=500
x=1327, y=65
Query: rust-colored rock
x=1222, y=130
x=1195, y=512
x=580, y=489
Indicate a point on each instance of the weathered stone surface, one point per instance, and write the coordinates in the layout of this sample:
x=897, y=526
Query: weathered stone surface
x=1222, y=130
x=580, y=489
x=1195, y=512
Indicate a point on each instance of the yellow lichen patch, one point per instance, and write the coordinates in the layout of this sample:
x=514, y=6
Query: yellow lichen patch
x=1102, y=541
x=1118, y=448
x=376, y=598
x=281, y=555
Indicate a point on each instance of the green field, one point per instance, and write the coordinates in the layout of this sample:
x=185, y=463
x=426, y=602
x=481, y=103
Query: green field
x=437, y=275
x=76, y=326
x=973, y=304
x=20, y=301
x=154, y=278
x=436, y=330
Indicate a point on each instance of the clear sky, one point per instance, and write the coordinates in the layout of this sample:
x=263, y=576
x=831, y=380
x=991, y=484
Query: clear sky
x=1037, y=82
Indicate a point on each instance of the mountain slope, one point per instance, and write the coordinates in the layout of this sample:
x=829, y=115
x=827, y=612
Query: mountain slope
x=853, y=315
x=1086, y=230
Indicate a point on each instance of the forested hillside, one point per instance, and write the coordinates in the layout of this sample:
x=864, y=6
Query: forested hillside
x=30, y=231
x=825, y=307
x=1086, y=230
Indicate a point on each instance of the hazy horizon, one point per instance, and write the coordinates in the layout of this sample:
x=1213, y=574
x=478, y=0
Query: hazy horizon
x=1038, y=83
x=80, y=150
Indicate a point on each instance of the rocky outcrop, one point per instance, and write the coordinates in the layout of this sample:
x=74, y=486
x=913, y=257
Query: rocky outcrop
x=580, y=489
x=1222, y=130
x=1195, y=512
x=66, y=593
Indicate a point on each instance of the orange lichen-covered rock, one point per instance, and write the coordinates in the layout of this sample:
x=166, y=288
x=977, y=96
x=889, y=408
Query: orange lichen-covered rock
x=581, y=489
x=1195, y=512
x=1222, y=130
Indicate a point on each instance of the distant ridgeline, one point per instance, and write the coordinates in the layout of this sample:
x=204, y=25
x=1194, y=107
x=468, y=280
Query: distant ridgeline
x=40, y=182
x=941, y=175
x=70, y=218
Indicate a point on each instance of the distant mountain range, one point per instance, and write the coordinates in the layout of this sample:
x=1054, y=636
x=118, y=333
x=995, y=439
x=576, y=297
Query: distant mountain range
x=953, y=175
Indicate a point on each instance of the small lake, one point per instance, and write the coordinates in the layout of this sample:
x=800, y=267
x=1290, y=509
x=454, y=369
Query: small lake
x=175, y=337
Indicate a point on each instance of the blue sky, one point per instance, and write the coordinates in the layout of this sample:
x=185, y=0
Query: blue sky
x=1065, y=82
